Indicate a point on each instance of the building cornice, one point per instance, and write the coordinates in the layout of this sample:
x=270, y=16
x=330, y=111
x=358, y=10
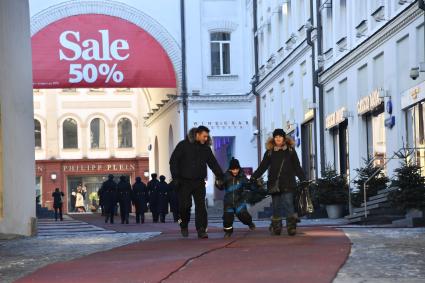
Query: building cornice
x=288, y=62
x=369, y=45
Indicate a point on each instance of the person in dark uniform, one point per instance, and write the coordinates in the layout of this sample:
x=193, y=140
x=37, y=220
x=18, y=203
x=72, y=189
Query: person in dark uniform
x=163, y=190
x=188, y=166
x=154, y=197
x=234, y=198
x=101, y=204
x=124, y=199
x=58, y=203
x=140, y=199
x=174, y=203
x=109, y=189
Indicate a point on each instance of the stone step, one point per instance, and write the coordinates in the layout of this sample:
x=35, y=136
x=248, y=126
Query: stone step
x=376, y=200
x=384, y=195
x=387, y=190
x=370, y=207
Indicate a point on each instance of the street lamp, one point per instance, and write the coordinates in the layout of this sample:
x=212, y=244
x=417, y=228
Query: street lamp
x=53, y=176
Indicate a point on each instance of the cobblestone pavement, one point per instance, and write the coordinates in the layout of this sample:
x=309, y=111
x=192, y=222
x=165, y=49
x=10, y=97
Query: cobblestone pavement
x=384, y=255
x=22, y=256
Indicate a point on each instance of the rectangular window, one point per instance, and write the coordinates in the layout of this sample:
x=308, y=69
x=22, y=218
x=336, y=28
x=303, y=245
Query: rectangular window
x=362, y=82
x=301, y=13
x=327, y=26
x=415, y=124
x=378, y=71
x=403, y=64
x=286, y=12
x=342, y=23
x=360, y=11
x=220, y=53
x=375, y=129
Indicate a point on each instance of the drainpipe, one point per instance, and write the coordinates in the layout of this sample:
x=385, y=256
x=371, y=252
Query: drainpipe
x=184, y=83
x=320, y=87
x=314, y=79
x=255, y=81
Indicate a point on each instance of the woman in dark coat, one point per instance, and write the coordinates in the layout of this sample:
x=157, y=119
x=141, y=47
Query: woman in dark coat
x=281, y=161
x=173, y=199
x=163, y=190
x=140, y=199
x=124, y=198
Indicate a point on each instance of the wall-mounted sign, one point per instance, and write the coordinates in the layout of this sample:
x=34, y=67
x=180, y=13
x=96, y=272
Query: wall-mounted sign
x=223, y=124
x=99, y=167
x=98, y=51
x=413, y=95
x=335, y=118
x=370, y=102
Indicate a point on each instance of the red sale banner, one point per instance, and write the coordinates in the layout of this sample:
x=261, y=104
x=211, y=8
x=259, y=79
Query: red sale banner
x=98, y=51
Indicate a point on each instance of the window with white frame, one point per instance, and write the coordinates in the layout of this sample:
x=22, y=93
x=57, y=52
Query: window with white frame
x=327, y=26
x=70, y=134
x=287, y=22
x=360, y=11
x=301, y=13
x=220, y=53
x=97, y=133
x=125, y=136
x=342, y=23
x=378, y=71
x=37, y=133
x=362, y=81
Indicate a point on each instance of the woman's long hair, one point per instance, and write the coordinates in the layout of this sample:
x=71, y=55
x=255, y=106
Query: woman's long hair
x=288, y=141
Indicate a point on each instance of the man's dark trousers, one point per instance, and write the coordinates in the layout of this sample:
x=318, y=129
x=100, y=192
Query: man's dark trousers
x=187, y=189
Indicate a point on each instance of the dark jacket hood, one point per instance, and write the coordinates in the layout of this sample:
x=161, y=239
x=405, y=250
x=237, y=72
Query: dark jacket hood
x=191, y=137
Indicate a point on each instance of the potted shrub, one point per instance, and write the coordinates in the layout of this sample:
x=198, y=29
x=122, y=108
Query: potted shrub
x=331, y=190
x=378, y=182
x=410, y=194
x=94, y=200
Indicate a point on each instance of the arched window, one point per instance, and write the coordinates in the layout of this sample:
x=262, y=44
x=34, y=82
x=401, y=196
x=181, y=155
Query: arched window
x=70, y=133
x=124, y=133
x=97, y=133
x=37, y=133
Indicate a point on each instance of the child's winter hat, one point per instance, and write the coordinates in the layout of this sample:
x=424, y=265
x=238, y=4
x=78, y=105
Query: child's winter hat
x=234, y=164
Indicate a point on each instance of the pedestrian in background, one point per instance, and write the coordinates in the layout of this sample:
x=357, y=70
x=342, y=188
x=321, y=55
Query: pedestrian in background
x=163, y=190
x=153, y=186
x=109, y=189
x=140, y=197
x=58, y=203
x=124, y=199
x=79, y=202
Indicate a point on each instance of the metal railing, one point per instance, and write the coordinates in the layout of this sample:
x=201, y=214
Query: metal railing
x=399, y=154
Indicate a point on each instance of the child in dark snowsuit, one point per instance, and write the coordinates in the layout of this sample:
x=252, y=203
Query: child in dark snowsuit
x=234, y=203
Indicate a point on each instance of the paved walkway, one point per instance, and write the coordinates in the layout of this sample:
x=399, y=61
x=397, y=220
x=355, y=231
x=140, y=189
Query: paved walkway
x=315, y=255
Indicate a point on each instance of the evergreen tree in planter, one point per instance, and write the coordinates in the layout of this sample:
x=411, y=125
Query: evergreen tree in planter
x=378, y=182
x=331, y=188
x=410, y=184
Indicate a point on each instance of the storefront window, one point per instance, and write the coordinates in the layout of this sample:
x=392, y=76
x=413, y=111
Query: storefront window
x=375, y=137
x=97, y=133
x=125, y=133
x=38, y=194
x=88, y=186
x=70, y=133
x=341, y=149
x=308, y=154
x=415, y=132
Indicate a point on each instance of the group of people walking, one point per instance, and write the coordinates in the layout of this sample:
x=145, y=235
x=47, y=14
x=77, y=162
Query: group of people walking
x=188, y=166
x=156, y=196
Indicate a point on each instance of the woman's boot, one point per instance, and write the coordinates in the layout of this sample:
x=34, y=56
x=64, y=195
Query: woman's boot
x=276, y=226
x=291, y=225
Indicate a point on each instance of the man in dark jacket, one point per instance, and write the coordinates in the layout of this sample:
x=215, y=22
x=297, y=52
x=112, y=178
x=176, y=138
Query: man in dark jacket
x=163, y=190
x=124, y=199
x=100, y=195
x=153, y=197
x=58, y=203
x=109, y=189
x=140, y=199
x=173, y=199
x=188, y=166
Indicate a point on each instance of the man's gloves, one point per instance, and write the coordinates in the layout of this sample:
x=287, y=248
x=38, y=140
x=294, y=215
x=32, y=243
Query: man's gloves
x=219, y=183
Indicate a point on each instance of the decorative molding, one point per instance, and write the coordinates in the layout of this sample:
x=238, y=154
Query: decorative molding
x=224, y=26
x=380, y=37
x=223, y=78
x=115, y=9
